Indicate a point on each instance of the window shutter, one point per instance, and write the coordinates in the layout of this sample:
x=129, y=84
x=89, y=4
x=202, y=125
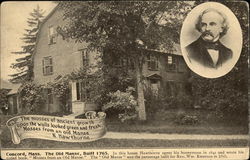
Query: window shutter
x=156, y=61
x=70, y=94
x=87, y=58
x=43, y=66
x=50, y=60
x=83, y=91
x=77, y=91
x=83, y=58
x=73, y=93
x=49, y=35
x=54, y=38
x=51, y=65
x=149, y=62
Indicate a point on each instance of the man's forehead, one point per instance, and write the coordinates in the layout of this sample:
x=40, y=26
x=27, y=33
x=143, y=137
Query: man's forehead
x=212, y=16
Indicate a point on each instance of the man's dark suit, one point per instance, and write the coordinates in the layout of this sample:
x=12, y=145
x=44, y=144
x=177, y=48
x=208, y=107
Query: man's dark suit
x=197, y=51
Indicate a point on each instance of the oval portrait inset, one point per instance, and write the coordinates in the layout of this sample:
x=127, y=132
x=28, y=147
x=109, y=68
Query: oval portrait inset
x=211, y=40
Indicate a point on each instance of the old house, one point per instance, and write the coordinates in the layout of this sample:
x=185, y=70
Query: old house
x=165, y=71
x=56, y=56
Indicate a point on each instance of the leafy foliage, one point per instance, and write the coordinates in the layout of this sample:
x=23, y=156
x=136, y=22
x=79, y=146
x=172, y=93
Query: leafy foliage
x=102, y=79
x=3, y=97
x=162, y=103
x=24, y=64
x=117, y=25
x=184, y=119
x=31, y=97
x=61, y=90
x=124, y=103
x=227, y=95
x=125, y=28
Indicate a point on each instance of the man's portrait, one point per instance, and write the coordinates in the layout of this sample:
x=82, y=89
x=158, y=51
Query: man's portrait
x=208, y=39
x=207, y=49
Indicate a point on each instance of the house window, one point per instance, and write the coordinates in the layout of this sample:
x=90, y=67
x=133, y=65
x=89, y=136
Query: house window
x=80, y=91
x=52, y=35
x=171, y=63
x=152, y=62
x=85, y=58
x=124, y=62
x=47, y=66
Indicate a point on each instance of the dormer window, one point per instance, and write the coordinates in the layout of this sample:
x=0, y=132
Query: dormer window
x=52, y=35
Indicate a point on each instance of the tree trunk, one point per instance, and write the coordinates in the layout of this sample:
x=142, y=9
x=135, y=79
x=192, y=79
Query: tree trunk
x=140, y=92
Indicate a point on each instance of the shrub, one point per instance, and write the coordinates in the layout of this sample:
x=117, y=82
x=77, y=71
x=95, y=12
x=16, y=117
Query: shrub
x=32, y=97
x=124, y=103
x=225, y=96
x=181, y=100
x=3, y=97
x=184, y=119
x=61, y=90
x=162, y=103
x=152, y=103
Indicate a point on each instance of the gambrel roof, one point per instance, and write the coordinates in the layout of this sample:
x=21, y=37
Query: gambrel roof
x=175, y=50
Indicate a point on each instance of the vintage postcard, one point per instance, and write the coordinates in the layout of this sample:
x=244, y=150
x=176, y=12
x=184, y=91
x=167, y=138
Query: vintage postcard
x=124, y=80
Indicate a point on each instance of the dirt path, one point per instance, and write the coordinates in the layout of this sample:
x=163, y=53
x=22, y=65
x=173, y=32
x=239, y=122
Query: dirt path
x=123, y=135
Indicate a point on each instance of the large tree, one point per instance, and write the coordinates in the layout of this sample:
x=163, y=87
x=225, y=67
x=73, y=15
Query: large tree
x=125, y=28
x=23, y=65
x=3, y=97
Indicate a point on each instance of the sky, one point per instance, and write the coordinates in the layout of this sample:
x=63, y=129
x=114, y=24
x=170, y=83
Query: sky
x=13, y=22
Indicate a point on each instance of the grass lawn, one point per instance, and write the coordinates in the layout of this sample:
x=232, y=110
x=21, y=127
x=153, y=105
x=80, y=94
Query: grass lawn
x=168, y=126
x=122, y=143
x=164, y=127
x=151, y=126
x=165, y=123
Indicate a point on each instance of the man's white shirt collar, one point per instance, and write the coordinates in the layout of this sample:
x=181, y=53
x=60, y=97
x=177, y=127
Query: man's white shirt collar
x=214, y=54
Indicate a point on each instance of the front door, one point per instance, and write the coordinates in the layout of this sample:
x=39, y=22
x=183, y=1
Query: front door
x=154, y=86
x=78, y=104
